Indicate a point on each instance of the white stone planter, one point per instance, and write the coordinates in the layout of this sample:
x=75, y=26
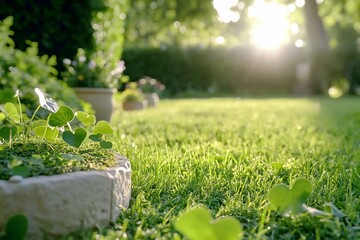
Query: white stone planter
x=101, y=99
x=61, y=204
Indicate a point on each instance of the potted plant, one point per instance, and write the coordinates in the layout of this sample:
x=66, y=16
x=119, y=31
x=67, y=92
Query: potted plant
x=93, y=82
x=151, y=89
x=42, y=169
x=133, y=98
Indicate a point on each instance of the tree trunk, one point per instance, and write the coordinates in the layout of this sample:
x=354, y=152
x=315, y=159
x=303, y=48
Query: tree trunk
x=319, y=49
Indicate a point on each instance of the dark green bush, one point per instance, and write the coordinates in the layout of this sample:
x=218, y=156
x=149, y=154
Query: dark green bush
x=224, y=69
x=60, y=27
x=25, y=70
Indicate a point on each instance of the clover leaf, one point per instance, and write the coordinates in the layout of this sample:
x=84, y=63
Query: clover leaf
x=286, y=200
x=105, y=144
x=2, y=116
x=103, y=127
x=12, y=112
x=23, y=171
x=16, y=228
x=62, y=117
x=96, y=137
x=8, y=133
x=197, y=224
x=86, y=119
x=75, y=139
x=47, y=132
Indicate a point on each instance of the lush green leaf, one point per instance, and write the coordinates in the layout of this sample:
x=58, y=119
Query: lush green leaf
x=96, y=137
x=86, y=119
x=12, y=112
x=286, y=200
x=105, y=144
x=47, y=132
x=23, y=171
x=197, y=224
x=75, y=139
x=2, y=116
x=62, y=117
x=8, y=133
x=103, y=127
x=16, y=228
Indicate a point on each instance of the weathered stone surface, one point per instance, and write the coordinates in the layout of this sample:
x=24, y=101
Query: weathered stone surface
x=61, y=204
x=121, y=187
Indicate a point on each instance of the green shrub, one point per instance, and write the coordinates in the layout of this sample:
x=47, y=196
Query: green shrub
x=59, y=26
x=109, y=37
x=25, y=70
x=132, y=93
x=219, y=68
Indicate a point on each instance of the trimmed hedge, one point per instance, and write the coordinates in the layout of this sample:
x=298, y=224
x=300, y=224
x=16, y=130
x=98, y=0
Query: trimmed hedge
x=26, y=70
x=233, y=70
x=60, y=27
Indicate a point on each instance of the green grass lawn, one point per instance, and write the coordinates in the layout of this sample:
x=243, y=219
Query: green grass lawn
x=221, y=153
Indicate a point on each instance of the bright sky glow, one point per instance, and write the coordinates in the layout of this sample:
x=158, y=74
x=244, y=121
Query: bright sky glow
x=299, y=43
x=220, y=40
x=226, y=15
x=300, y=3
x=271, y=27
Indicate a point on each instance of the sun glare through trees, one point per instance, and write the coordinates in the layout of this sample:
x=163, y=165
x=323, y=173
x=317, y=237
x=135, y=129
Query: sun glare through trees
x=270, y=24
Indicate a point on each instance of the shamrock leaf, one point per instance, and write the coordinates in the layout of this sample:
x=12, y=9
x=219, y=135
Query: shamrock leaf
x=46, y=132
x=86, y=119
x=23, y=171
x=103, y=127
x=96, y=137
x=2, y=116
x=16, y=227
x=197, y=224
x=8, y=133
x=105, y=144
x=286, y=200
x=45, y=101
x=62, y=117
x=75, y=139
x=12, y=112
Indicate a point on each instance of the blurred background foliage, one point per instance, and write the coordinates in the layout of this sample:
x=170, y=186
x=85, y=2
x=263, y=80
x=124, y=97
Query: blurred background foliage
x=212, y=69
x=26, y=70
x=58, y=26
x=194, y=45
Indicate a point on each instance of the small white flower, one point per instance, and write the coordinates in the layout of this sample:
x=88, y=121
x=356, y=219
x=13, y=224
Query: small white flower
x=92, y=64
x=17, y=93
x=67, y=61
x=82, y=59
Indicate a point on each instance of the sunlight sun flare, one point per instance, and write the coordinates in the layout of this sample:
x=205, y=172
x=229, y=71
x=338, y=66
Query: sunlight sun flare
x=271, y=24
x=223, y=7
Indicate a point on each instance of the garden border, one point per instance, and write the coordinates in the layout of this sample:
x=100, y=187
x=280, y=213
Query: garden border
x=61, y=204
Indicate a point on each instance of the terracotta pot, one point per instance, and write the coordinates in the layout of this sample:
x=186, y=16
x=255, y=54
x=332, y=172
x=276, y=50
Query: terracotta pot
x=133, y=105
x=152, y=99
x=101, y=99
